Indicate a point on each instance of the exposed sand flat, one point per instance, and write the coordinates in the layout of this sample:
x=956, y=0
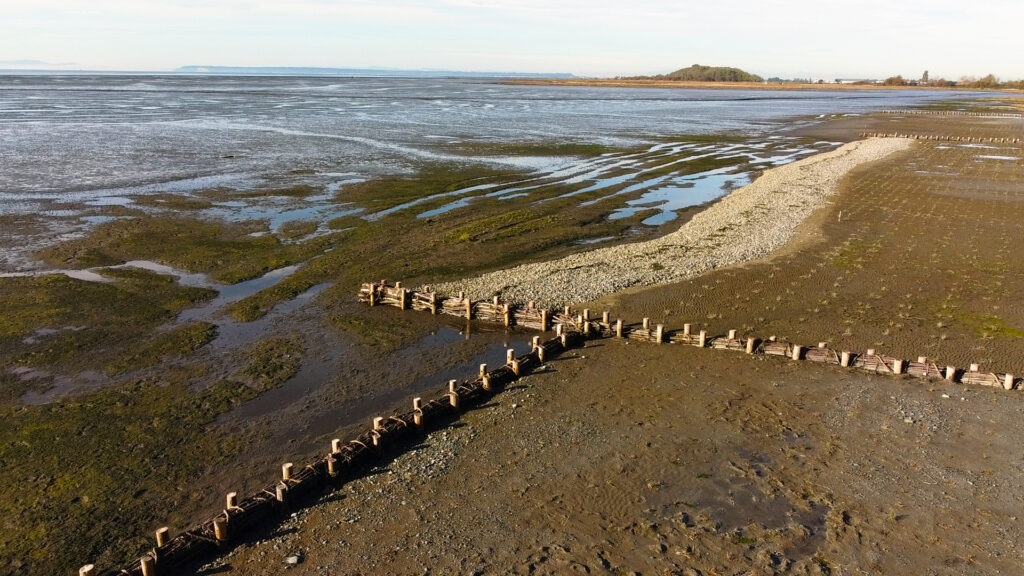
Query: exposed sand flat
x=749, y=223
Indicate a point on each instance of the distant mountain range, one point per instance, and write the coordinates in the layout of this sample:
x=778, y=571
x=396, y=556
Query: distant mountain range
x=298, y=71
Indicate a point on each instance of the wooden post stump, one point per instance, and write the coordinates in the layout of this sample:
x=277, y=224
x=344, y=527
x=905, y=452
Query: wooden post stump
x=975, y=367
x=604, y=318
x=148, y=564
x=1008, y=382
x=373, y=294
x=543, y=320
x=231, y=501
x=686, y=329
x=897, y=367
x=286, y=471
x=332, y=466
x=750, y=345
x=281, y=492
x=647, y=323
x=618, y=328
x=797, y=351
x=162, y=536
x=335, y=445
x=378, y=421
x=87, y=570
x=844, y=360
x=453, y=399
x=659, y=332
x=950, y=373
x=417, y=416
x=220, y=529
x=732, y=334
x=702, y=338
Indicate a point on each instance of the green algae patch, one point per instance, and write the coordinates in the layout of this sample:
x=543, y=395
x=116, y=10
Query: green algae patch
x=176, y=342
x=296, y=229
x=87, y=323
x=989, y=326
x=385, y=334
x=577, y=149
x=88, y=479
x=384, y=193
x=228, y=252
x=273, y=361
x=173, y=202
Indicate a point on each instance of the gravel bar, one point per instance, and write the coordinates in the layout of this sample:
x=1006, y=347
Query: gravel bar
x=749, y=223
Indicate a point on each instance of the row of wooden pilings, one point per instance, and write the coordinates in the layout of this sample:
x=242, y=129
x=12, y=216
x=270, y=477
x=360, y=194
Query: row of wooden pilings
x=344, y=462
x=940, y=137
x=348, y=460
x=591, y=327
x=954, y=113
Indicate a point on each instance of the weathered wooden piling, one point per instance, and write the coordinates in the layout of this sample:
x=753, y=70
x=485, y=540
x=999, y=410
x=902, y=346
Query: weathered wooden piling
x=950, y=373
x=618, y=328
x=844, y=359
x=162, y=535
x=732, y=335
x=659, y=333
x=702, y=338
x=286, y=471
x=1008, y=381
x=417, y=407
x=453, y=399
x=750, y=346
x=220, y=529
x=87, y=570
x=797, y=352
x=148, y=565
x=231, y=501
x=897, y=366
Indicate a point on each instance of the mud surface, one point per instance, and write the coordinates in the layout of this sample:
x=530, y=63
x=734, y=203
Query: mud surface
x=634, y=458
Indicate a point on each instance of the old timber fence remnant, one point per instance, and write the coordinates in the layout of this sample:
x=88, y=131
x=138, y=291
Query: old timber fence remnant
x=346, y=461
x=940, y=137
x=583, y=324
x=915, y=112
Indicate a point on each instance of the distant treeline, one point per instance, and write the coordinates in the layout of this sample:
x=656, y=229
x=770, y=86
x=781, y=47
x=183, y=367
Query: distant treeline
x=989, y=82
x=698, y=73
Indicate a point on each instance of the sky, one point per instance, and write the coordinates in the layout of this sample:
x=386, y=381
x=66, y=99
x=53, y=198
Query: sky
x=788, y=38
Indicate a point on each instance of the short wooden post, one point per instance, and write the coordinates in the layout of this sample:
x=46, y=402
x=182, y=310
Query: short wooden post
x=453, y=399
x=897, y=366
x=618, y=328
x=433, y=303
x=543, y=320
x=797, y=351
x=647, y=323
x=586, y=314
x=231, y=501
x=508, y=316
x=604, y=318
x=702, y=338
x=871, y=352
x=378, y=440
x=286, y=471
x=495, y=300
x=148, y=565
x=565, y=340
x=950, y=373
x=332, y=466
x=732, y=334
x=975, y=367
x=485, y=382
x=750, y=345
x=822, y=345
x=586, y=328
x=686, y=329
x=844, y=360
x=568, y=310
x=87, y=570
x=659, y=331
x=220, y=529
x=483, y=369
x=281, y=492
x=373, y=294
x=162, y=535
x=559, y=328
x=469, y=310
x=922, y=359
x=453, y=385
x=538, y=348
x=335, y=445
x=1008, y=381
x=510, y=355
x=403, y=297
x=772, y=338
x=417, y=414
x=378, y=422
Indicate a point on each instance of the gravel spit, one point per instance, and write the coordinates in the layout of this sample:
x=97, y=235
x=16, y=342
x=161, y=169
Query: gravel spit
x=750, y=223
